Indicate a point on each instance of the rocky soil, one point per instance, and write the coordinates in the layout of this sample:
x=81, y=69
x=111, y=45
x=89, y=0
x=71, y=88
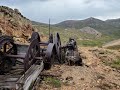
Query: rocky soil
x=13, y=23
x=95, y=74
x=91, y=31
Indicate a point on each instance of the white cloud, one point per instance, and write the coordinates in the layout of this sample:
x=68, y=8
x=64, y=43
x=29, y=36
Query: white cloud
x=59, y=10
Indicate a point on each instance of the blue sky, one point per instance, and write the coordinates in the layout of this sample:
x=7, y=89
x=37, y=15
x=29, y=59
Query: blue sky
x=60, y=10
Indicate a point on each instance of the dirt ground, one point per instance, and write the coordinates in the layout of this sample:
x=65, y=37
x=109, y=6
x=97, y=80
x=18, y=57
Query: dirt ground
x=93, y=75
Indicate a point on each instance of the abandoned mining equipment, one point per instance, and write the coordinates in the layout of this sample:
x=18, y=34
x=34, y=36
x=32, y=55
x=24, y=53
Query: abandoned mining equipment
x=72, y=56
x=21, y=65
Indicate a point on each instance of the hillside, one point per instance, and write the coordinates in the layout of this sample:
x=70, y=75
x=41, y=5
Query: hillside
x=115, y=44
x=92, y=22
x=38, y=23
x=91, y=31
x=13, y=23
x=109, y=27
x=83, y=38
x=115, y=22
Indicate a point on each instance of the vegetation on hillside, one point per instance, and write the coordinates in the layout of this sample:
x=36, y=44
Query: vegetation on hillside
x=71, y=28
x=109, y=27
x=83, y=39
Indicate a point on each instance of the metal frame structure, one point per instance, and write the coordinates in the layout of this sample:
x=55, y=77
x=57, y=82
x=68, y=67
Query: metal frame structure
x=34, y=55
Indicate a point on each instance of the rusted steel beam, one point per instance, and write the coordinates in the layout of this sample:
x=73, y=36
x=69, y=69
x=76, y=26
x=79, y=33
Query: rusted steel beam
x=21, y=56
x=15, y=56
x=43, y=42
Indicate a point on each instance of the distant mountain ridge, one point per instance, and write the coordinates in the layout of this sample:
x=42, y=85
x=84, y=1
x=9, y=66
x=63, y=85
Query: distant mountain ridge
x=90, y=22
x=111, y=26
x=115, y=22
x=79, y=23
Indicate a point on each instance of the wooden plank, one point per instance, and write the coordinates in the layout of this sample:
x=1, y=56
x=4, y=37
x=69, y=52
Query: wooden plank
x=30, y=76
x=8, y=81
x=5, y=78
x=10, y=85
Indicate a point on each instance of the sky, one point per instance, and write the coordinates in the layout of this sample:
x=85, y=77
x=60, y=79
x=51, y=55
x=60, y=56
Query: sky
x=60, y=10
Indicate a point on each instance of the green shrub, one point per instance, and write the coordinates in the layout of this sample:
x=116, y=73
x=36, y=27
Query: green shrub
x=116, y=64
x=53, y=81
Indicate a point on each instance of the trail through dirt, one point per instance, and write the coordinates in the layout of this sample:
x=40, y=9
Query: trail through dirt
x=112, y=43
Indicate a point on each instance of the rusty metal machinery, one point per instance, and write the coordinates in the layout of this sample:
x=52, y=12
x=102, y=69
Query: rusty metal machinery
x=34, y=53
x=57, y=42
x=9, y=54
x=7, y=47
x=52, y=52
x=21, y=65
x=36, y=56
x=72, y=56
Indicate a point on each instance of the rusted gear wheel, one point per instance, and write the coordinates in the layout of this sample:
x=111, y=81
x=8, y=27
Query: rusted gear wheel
x=32, y=52
x=7, y=46
x=50, y=56
x=35, y=35
x=57, y=42
x=5, y=64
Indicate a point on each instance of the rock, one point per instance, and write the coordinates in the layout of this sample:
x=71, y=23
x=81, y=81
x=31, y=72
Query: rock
x=71, y=83
x=93, y=49
x=90, y=30
x=69, y=78
x=99, y=80
x=82, y=79
x=118, y=87
x=83, y=56
x=13, y=23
